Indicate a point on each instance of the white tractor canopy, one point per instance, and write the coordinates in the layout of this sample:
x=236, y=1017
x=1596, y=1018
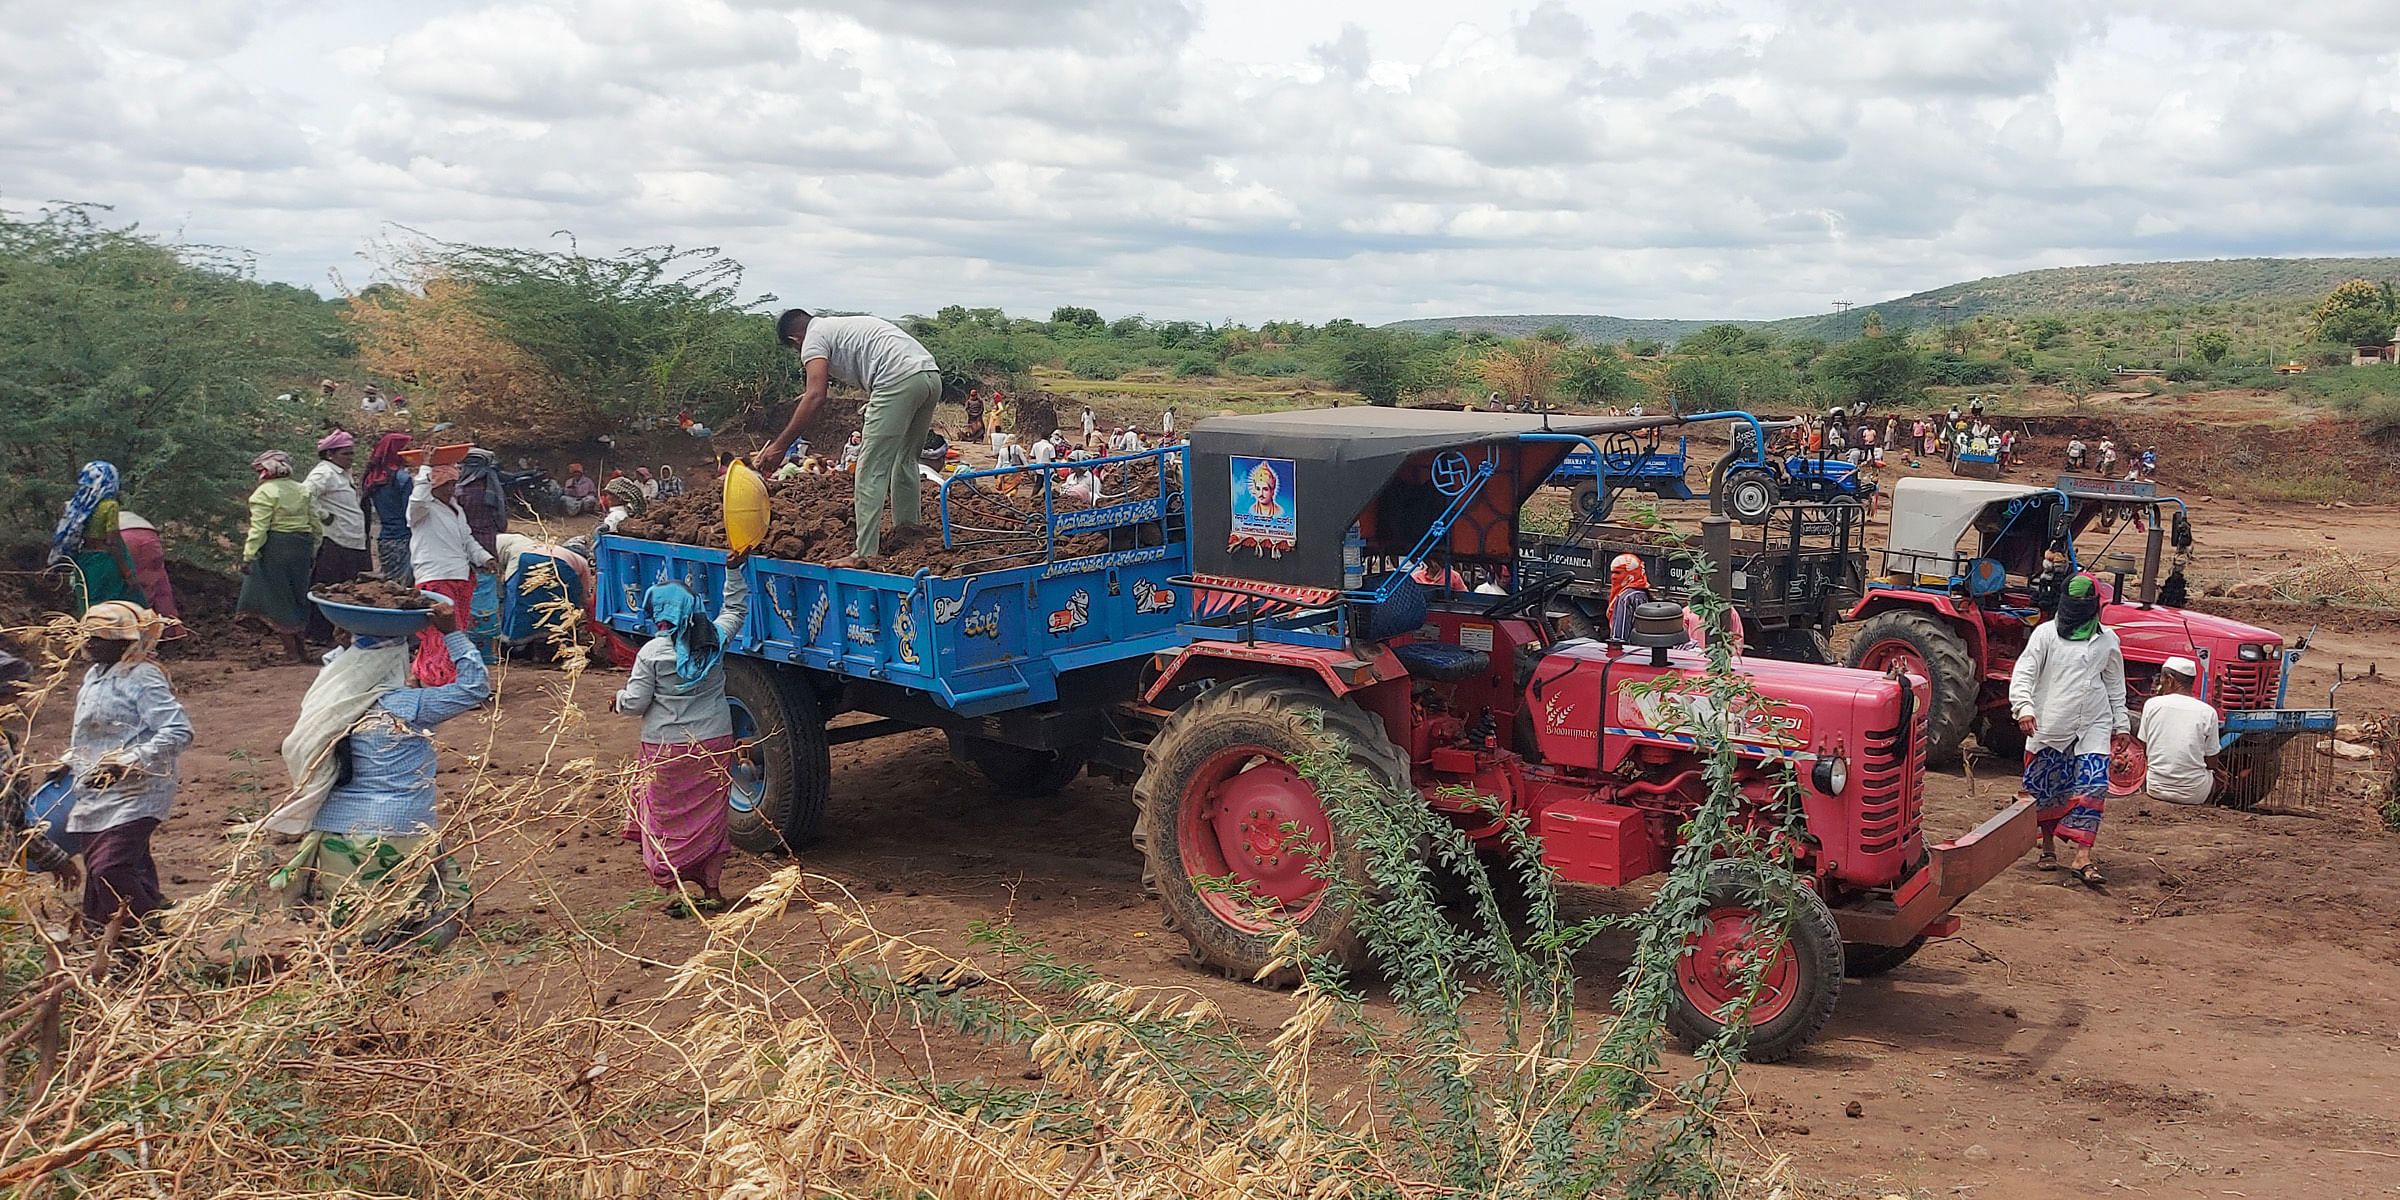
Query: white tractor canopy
x=1929, y=516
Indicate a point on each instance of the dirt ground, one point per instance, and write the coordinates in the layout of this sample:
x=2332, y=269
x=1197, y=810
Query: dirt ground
x=2224, y=1021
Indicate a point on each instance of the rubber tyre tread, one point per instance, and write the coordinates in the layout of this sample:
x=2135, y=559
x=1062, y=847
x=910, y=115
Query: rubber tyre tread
x=1021, y=772
x=1862, y=961
x=1955, y=681
x=794, y=753
x=1583, y=498
x=1736, y=480
x=1817, y=943
x=1271, y=711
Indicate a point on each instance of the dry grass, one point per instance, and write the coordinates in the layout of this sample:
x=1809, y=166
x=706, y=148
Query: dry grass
x=2337, y=578
x=796, y=1053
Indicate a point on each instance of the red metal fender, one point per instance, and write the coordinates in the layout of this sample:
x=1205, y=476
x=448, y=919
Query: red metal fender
x=1878, y=599
x=1956, y=868
x=1341, y=671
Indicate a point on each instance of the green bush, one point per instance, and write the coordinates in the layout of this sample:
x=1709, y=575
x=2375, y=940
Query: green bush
x=1191, y=364
x=1094, y=364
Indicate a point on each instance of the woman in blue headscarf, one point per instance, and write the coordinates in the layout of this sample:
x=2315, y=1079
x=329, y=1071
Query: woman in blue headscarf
x=87, y=537
x=687, y=756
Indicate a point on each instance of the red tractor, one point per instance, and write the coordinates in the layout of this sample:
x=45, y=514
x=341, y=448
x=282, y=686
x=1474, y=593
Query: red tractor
x=1311, y=534
x=1968, y=574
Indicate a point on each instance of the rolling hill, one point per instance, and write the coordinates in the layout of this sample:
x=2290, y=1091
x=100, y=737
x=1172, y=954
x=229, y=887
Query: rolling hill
x=2056, y=290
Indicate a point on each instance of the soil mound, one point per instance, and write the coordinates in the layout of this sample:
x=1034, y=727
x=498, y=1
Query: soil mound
x=810, y=520
x=373, y=591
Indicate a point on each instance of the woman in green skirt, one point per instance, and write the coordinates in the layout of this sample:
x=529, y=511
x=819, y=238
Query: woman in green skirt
x=86, y=537
x=279, y=553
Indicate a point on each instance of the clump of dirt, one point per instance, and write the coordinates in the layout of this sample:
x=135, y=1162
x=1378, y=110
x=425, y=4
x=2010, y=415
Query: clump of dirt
x=810, y=520
x=373, y=591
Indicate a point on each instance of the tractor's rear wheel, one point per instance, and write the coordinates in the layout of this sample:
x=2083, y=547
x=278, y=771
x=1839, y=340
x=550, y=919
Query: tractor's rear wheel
x=1924, y=646
x=2251, y=776
x=784, y=771
x=1750, y=495
x=1237, y=834
x=1797, y=987
x=1863, y=961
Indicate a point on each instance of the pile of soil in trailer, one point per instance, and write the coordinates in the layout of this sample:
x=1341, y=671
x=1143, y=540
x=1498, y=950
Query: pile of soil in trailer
x=374, y=591
x=809, y=520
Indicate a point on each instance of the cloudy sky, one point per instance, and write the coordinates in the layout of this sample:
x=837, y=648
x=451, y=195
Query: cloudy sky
x=1244, y=159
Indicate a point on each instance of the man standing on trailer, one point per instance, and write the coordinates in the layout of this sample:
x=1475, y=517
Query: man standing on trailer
x=902, y=383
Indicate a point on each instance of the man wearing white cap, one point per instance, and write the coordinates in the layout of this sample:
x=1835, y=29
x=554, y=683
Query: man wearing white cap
x=2179, y=730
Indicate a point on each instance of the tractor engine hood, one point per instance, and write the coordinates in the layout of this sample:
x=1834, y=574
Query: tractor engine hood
x=2170, y=631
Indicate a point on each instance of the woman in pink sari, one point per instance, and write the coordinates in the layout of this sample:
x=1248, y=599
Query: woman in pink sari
x=685, y=771
x=149, y=560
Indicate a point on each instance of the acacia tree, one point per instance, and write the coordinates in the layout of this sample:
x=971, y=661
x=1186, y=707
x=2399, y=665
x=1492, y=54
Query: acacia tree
x=649, y=330
x=1528, y=368
x=171, y=363
x=1378, y=364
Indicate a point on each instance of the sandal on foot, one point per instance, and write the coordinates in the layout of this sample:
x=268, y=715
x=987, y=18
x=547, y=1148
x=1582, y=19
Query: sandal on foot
x=2089, y=876
x=2047, y=862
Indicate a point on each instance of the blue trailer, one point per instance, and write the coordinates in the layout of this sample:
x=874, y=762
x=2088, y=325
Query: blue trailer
x=1625, y=462
x=1020, y=660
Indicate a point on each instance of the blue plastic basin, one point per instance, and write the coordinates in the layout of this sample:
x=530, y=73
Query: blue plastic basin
x=374, y=622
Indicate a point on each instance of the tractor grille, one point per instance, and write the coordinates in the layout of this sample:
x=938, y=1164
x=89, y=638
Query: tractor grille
x=1891, y=794
x=2247, y=684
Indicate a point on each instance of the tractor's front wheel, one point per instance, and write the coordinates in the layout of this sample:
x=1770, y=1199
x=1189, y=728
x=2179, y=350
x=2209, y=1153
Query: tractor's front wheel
x=1863, y=961
x=1922, y=645
x=1798, y=983
x=1237, y=835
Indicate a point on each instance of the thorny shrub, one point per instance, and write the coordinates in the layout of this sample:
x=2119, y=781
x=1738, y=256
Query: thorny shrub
x=793, y=1053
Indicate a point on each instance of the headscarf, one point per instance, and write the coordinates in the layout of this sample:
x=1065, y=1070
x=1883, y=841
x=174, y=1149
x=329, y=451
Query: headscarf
x=1625, y=572
x=2079, y=609
x=125, y=621
x=272, y=464
x=626, y=492
x=339, y=439
x=672, y=610
x=385, y=462
x=95, y=484
x=641, y=472
x=444, y=473
x=347, y=689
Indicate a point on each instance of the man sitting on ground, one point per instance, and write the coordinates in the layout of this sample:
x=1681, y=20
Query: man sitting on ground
x=2179, y=731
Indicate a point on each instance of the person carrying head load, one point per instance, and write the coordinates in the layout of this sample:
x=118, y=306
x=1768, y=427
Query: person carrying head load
x=362, y=764
x=902, y=383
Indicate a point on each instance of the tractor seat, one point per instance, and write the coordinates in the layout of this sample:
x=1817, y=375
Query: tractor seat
x=1441, y=661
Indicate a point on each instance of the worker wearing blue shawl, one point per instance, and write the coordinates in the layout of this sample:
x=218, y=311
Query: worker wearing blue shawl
x=686, y=763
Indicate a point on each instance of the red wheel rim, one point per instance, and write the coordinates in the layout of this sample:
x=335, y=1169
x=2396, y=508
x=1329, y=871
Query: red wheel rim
x=2128, y=768
x=1246, y=815
x=1880, y=657
x=1711, y=975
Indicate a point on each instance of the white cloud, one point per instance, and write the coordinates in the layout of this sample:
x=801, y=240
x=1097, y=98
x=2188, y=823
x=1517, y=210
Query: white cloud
x=1242, y=158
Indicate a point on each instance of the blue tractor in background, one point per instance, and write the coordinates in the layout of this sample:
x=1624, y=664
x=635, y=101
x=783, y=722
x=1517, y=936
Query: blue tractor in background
x=1750, y=480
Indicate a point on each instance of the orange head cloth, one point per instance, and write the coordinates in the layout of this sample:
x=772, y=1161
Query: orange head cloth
x=1625, y=571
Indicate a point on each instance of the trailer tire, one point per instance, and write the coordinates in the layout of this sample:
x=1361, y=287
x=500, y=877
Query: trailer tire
x=1021, y=772
x=1798, y=991
x=1588, y=502
x=1248, y=731
x=1862, y=961
x=1750, y=495
x=1934, y=650
x=783, y=729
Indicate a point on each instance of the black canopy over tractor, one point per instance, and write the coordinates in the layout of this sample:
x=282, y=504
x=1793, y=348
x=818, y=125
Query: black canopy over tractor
x=1274, y=495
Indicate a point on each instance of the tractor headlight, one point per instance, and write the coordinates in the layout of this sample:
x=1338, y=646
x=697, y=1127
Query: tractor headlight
x=2252, y=652
x=1831, y=775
